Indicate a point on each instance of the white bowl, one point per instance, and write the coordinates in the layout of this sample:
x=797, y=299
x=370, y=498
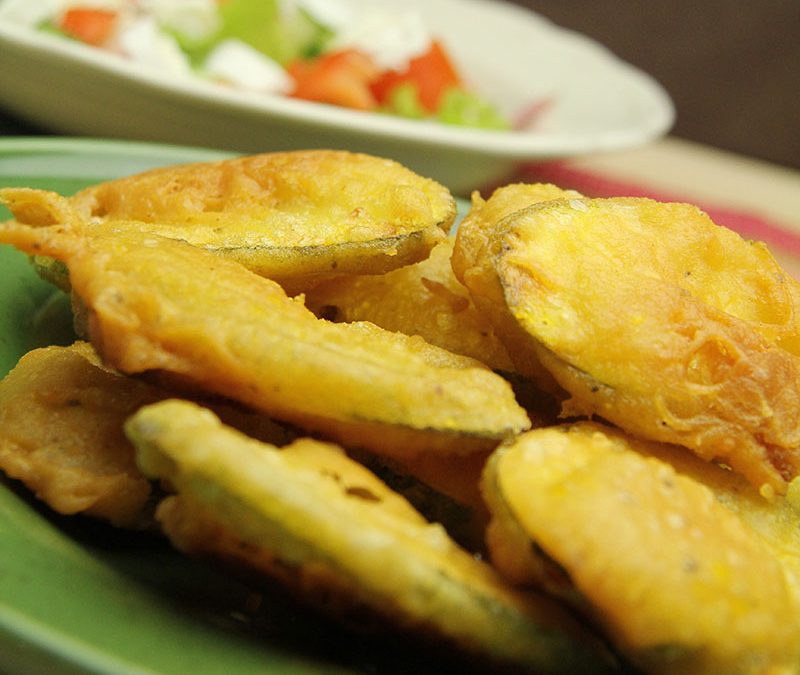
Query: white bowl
x=509, y=54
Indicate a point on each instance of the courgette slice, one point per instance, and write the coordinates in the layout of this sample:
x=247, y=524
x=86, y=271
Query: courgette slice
x=296, y=217
x=328, y=527
x=680, y=582
x=421, y=299
x=472, y=266
x=651, y=316
x=209, y=324
x=61, y=417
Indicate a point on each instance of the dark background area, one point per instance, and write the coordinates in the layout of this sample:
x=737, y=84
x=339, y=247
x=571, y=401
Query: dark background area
x=732, y=67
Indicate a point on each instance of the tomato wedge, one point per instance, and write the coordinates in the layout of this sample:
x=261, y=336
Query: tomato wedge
x=340, y=78
x=87, y=24
x=432, y=73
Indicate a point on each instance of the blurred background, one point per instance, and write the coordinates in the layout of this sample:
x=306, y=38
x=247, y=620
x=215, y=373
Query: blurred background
x=732, y=67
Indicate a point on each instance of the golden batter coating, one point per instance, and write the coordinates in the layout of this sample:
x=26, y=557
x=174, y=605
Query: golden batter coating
x=681, y=583
x=654, y=318
x=61, y=417
x=156, y=304
x=296, y=217
x=471, y=263
x=324, y=524
x=421, y=299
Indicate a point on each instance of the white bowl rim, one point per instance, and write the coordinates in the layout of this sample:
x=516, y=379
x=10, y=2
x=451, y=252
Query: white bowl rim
x=507, y=144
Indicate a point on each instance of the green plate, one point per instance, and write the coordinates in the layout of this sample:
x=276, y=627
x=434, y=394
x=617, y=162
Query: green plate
x=77, y=596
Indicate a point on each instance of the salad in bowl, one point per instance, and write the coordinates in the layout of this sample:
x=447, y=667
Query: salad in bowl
x=330, y=51
x=422, y=82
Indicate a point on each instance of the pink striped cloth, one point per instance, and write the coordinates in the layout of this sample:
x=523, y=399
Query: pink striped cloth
x=747, y=224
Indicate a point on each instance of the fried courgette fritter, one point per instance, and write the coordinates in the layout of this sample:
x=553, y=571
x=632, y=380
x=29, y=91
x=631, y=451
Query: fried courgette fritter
x=651, y=316
x=469, y=262
x=322, y=523
x=61, y=417
x=421, y=299
x=209, y=324
x=681, y=583
x=295, y=217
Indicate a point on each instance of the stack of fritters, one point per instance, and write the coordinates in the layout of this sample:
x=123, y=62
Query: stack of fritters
x=296, y=352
